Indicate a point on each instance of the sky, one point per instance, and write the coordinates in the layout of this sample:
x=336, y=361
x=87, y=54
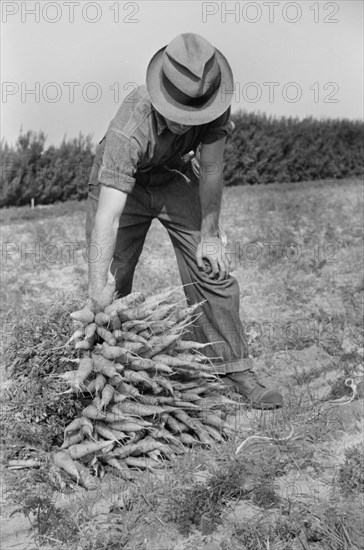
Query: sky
x=68, y=65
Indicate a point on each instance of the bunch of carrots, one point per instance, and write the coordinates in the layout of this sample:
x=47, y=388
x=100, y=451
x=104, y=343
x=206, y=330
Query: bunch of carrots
x=152, y=393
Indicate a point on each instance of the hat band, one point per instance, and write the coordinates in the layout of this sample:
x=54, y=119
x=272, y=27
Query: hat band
x=187, y=100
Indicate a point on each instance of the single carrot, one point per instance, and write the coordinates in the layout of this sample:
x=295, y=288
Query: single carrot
x=213, y=432
x=87, y=429
x=120, y=335
x=183, y=417
x=175, y=426
x=84, y=315
x=96, y=402
x=84, y=345
x=160, y=327
x=79, y=333
x=135, y=326
x=127, y=426
x=119, y=397
x=142, y=463
x=192, y=397
x=100, y=382
x=189, y=357
x=63, y=460
x=185, y=312
x=186, y=345
x=142, y=364
x=162, y=368
x=90, y=385
x=127, y=389
x=194, y=390
x=92, y=412
x=114, y=416
x=72, y=440
x=204, y=437
x=162, y=433
x=106, y=335
x=212, y=420
x=142, y=447
x=102, y=318
x=84, y=449
x=158, y=344
x=148, y=399
x=115, y=321
x=74, y=426
x=132, y=299
x=121, y=469
x=106, y=395
x=82, y=373
x=186, y=405
x=103, y=365
x=156, y=299
x=115, y=380
x=135, y=377
x=108, y=433
x=134, y=314
x=113, y=353
x=138, y=409
x=90, y=331
x=165, y=384
x=160, y=313
x=186, y=439
x=116, y=306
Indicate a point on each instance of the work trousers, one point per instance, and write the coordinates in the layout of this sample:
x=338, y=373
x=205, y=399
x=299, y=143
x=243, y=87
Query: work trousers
x=173, y=198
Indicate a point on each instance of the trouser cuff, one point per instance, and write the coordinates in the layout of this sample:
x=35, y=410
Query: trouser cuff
x=234, y=366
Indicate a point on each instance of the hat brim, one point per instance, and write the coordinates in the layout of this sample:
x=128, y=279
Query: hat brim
x=162, y=101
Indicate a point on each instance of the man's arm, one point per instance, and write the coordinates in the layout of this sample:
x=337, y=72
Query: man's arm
x=211, y=186
x=110, y=207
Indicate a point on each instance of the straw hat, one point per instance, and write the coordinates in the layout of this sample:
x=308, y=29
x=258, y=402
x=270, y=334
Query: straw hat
x=189, y=81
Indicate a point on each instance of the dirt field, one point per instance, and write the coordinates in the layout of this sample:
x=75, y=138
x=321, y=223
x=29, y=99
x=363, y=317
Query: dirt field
x=296, y=250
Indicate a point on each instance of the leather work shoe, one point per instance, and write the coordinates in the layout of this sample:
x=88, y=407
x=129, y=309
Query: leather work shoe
x=247, y=384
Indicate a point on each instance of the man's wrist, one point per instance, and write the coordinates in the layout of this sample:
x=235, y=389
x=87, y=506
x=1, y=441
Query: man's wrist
x=209, y=232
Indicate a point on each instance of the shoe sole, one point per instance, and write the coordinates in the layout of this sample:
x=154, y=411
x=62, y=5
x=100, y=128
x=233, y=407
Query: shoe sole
x=261, y=406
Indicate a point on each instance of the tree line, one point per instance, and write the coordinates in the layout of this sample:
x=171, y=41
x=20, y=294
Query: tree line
x=262, y=149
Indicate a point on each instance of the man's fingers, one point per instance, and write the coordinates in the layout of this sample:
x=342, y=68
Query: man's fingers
x=200, y=262
x=222, y=270
x=214, y=268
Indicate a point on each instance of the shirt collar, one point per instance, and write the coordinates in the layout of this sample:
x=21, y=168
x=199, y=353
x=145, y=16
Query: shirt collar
x=161, y=123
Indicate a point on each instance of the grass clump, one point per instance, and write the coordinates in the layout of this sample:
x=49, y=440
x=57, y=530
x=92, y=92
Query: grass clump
x=351, y=473
x=34, y=495
x=201, y=503
x=33, y=409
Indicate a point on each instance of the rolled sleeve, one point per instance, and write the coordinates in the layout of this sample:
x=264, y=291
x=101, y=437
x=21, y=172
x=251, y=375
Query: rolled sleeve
x=119, y=162
x=218, y=129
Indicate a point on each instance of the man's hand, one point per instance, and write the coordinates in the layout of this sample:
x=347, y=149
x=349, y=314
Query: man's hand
x=213, y=251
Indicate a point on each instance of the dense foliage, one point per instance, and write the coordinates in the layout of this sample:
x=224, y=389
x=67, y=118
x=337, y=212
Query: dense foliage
x=266, y=150
x=262, y=149
x=57, y=173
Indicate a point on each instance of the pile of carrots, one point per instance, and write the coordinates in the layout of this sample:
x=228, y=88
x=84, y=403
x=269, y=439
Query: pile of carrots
x=152, y=394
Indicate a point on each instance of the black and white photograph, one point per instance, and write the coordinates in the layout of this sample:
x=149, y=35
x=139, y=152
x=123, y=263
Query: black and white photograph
x=182, y=264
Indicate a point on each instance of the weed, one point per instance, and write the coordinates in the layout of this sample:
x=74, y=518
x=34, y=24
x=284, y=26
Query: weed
x=34, y=496
x=351, y=473
x=33, y=412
